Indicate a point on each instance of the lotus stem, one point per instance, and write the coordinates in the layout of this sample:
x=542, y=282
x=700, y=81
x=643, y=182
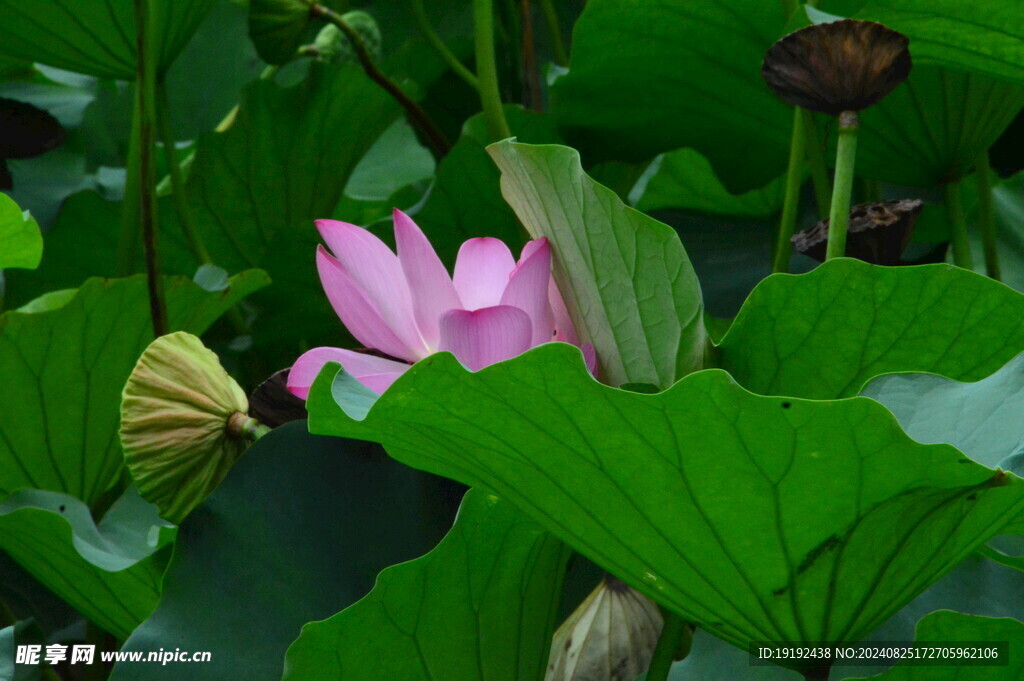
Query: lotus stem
x=432, y=134
x=555, y=31
x=986, y=218
x=673, y=632
x=958, y=224
x=145, y=81
x=487, y=71
x=423, y=23
x=794, y=182
x=846, y=157
x=816, y=164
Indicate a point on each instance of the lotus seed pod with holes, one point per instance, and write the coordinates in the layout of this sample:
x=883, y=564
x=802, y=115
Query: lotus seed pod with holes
x=611, y=636
x=839, y=66
x=183, y=423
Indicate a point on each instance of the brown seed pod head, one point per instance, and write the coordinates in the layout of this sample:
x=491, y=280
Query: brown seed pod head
x=840, y=66
x=878, y=232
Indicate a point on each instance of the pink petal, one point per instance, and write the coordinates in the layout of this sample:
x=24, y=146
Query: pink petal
x=376, y=373
x=528, y=290
x=376, y=270
x=590, y=357
x=482, y=269
x=358, y=313
x=482, y=337
x=431, y=287
x=564, y=329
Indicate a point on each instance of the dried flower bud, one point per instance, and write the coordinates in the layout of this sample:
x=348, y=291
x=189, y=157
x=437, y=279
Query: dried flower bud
x=611, y=636
x=183, y=423
x=273, y=404
x=878, y=232
x=839, y=66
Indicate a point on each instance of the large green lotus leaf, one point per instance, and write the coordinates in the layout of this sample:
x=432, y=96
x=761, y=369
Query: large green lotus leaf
x=465, y=201
x=684, y=179
x=977, y=586
x=67, y=367
x=297, y=531
x=823, y=334
x=479, y=607
x=982, y=37
x=21, y=244
x=625, y=277
x=655, y=76
x=96, y=37
x=108, y=572
x=941, y=119
x=705, y=497
x=951, y=626
x=981, y=419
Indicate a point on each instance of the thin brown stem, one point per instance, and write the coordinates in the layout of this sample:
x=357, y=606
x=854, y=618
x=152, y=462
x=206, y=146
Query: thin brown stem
x=145, y=82
x=432, y=134
x=531, y=80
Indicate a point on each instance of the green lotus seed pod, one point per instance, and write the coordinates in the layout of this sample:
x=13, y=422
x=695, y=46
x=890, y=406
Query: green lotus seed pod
x=334, y=47
x=183, y=424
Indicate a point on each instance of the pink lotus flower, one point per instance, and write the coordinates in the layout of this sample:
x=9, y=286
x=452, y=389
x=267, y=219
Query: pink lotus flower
x=408, y=307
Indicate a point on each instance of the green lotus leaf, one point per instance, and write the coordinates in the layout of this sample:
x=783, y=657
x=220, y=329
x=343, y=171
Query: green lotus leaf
x=479, y=607
x=707, y=498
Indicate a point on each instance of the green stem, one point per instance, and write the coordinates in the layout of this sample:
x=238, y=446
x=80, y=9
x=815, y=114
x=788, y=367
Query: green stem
x=958, y=224
x=487, y=70
x=986, y=218
x=846, y=157
x=442, y=50
x=128, y=241
x=188, y=227
x=432, y=134
x=672, y=633
x=816, y=164
x=145, y=88
x=555, y=31
x=794, y=182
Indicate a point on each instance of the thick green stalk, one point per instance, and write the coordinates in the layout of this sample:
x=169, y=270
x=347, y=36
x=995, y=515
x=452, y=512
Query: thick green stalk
x=423, y=22
x=145, y=89
x=432, y=134
x=188, y=227
x=555, y=31
x=842, y=190
x=958, y=224
x=672, y=633
x=794, y=182
x=487, y=70
x=816, y=164
x=986, y=217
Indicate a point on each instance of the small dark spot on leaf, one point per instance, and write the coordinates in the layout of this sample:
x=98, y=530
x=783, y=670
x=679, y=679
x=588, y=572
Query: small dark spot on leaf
x=62, y=508
x=972, y=496
x=568, y=643
x=779, y=592
x=786, y=405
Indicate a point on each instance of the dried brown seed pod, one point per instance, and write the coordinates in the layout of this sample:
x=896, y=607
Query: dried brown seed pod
x=878, y=232
x=840, y=66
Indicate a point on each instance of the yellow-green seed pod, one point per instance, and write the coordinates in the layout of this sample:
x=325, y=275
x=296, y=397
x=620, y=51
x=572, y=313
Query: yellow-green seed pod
x=611, y=636
x=183, y=423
